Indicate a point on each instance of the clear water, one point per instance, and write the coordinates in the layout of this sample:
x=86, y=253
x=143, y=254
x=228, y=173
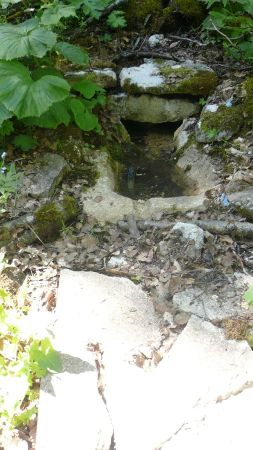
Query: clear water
x=147, y=170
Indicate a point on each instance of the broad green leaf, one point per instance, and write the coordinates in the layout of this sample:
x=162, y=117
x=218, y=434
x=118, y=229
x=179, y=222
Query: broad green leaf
x=56, y=115
x=6, y=128
x=4, y=114
x=73, y=53
x=248, y=295
x=25, y=97
x=45, y=356
x=25, y=142
x=25, y=39
x=42, y=71
x=83, y=117
x=5, y=3
x=53, y=14
x=87, y=88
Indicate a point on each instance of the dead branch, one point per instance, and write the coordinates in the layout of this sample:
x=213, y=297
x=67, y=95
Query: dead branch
x=237, y=229
x=145, y=54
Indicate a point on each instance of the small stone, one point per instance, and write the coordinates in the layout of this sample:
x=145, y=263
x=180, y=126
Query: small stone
x=155, y=40
x=181, y=318
x=116, y=261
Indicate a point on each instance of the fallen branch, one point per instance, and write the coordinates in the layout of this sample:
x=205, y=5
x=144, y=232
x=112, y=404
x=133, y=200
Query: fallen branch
x=237, y=229
x=145, y=54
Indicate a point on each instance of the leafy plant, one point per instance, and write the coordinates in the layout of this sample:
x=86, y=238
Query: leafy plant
x=33, y=91
x=116, y=20
x=231, y=22
x=24, y=359
x=248, y=295
x=25, y=142
x=9, y=181
x=211, y=134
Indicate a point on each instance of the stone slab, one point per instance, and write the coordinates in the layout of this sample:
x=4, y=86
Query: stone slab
x=72, y=414
x=149, y=408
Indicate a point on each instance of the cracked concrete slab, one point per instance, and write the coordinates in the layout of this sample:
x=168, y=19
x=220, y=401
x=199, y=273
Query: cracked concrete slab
x=148, y=409
x=144, y=408
x=72, y=414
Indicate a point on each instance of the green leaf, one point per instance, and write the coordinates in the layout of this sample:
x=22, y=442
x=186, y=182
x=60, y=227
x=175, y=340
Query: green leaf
x=25, y=97
x=248, y=295
x=42, y=71
x=4, y=114
x=116, y=19
x=25, y=39
x=7, y=128
x=56, y=115
x=83, y=117
x=25, y=142
x=5, y=3
x=54, y=13
x=73, y=53
x=45, y=356
x=87, y=88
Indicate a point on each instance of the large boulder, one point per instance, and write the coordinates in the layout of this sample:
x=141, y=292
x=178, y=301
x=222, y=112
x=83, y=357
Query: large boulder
x=152, y=109
x=168, y=77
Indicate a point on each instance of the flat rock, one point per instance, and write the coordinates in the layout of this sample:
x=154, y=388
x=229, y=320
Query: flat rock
x=106, y=78
x=47, y=172
x=150, y=408
x=110, y=310
x=72, y=413
x=206, y=305
x=167, y=77
x=152, y=109
x=243, y=201
x=200, y=173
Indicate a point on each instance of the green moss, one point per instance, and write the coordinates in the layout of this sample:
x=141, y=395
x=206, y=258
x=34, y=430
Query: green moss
x=224, y=119
x=166, y=18
x=69, y=208
x=51, y=217
x=188, y=82
x=248, y=102
x=5, y=236
x=192, y=10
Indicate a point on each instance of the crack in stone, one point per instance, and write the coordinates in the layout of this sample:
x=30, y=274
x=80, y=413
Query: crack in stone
x=98, y=353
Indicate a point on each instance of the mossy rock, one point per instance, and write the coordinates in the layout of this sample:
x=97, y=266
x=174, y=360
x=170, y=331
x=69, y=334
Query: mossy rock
x=50, y=218
x=220, y=124
x=178, y=12
x=5, y=236
x=248, y=102
x=159, y=77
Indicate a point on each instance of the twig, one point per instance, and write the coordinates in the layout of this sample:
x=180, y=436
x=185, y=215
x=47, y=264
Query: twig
x=34, y=232
x=146, y=54
x=181, y=38
x=222, y=34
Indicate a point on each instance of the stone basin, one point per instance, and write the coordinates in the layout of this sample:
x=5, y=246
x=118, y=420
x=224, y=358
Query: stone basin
x=104, y=204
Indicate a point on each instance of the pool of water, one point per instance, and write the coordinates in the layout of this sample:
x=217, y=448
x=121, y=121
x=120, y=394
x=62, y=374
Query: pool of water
x=148, y=170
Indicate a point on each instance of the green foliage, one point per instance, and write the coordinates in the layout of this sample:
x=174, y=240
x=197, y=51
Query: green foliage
x=31, y=89
x=9, y=181
x=116, y=20
x=231, y=22
x=248, y=295
x=25, y=142
x=23, y=360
